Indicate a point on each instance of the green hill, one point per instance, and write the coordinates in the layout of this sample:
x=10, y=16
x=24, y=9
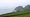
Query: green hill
x=18, y=14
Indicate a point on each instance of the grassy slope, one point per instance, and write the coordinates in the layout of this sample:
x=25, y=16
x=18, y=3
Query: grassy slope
x=23, y=15
x=19, y=14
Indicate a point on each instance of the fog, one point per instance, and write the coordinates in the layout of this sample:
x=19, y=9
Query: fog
x=10, y=5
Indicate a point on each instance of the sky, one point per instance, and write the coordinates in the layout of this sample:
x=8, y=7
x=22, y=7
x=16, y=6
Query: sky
x=11, y=4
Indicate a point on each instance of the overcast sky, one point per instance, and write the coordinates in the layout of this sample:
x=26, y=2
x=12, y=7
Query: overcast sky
x=11, y=4
x=8, y=4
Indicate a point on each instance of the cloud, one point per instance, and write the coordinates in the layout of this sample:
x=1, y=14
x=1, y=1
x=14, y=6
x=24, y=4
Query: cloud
x=23, y=2
x=4, y=4
x=11, y=4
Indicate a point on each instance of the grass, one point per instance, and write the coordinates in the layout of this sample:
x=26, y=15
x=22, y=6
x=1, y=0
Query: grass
x=19, y=14
x=24, y=15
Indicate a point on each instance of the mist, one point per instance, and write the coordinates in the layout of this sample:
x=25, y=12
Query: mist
x=12, y=4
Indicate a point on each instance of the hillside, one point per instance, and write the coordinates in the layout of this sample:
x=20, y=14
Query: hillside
x=20, y=12
x=17, y=14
